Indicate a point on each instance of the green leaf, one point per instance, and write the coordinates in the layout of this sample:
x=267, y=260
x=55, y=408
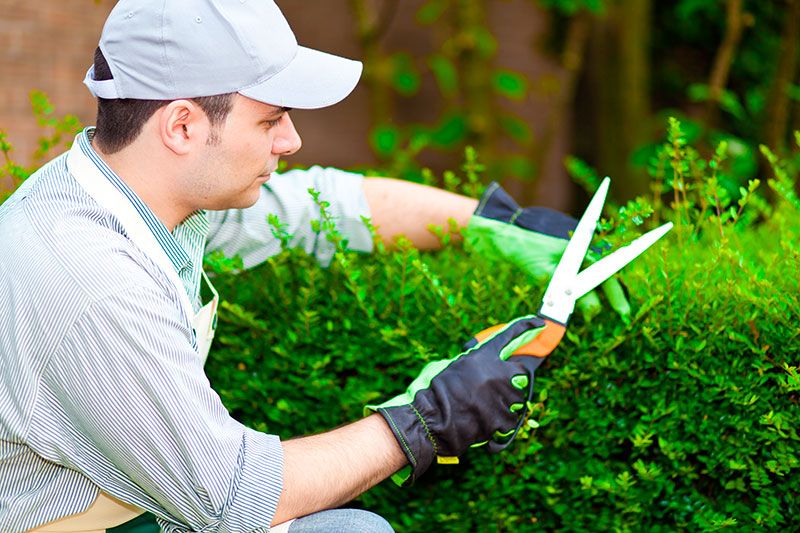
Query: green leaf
x=40, y=104
x=517, y=129
x=517, y=166
x=793, y=91
x=385, y=139
x=729, y=102
x=510, y=84
x=698, y=92
x=445, y=74
x=450, y=131
x=485, y=43
x=405, y=77
x=431, y=11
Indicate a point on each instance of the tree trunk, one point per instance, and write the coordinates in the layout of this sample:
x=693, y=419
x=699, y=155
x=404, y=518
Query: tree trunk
x=777, y=116
x=620, y=76
x=572, y=62
x=634, y=90
x=371, y=25
x=479, y=103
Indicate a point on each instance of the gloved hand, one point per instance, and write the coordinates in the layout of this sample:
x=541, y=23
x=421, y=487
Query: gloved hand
x=533, y=239
x=464, y=401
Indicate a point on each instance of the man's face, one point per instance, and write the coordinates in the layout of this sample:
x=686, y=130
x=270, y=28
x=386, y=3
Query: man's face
x=252, y=139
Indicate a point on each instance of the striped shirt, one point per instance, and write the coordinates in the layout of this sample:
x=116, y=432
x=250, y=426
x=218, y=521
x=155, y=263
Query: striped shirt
x=101, y=387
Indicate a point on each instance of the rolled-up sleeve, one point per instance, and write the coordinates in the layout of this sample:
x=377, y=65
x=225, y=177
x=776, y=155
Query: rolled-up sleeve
x=246, y=232
x=126, y=396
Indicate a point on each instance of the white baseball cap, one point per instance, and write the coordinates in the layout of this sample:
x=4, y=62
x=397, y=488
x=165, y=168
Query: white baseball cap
x=172, y=49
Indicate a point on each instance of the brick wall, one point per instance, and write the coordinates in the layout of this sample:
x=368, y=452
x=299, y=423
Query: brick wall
x=46, y=45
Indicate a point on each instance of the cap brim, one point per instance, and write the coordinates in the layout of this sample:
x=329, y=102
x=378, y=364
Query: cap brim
x=313, y=79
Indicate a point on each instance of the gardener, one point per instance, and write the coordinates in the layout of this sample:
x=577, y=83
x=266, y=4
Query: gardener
x=105, y=411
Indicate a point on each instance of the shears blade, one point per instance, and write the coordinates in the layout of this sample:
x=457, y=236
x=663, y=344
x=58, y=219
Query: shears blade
x=578, y=245
x=567, y=285
x=606, y=267
x=556, y=302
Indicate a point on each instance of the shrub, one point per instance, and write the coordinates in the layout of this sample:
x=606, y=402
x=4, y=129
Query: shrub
x=684, y=417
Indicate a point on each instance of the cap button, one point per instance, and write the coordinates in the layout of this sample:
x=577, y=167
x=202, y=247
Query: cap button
x=198, y=20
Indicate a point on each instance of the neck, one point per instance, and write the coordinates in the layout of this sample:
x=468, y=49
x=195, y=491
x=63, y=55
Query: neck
x=151, y=177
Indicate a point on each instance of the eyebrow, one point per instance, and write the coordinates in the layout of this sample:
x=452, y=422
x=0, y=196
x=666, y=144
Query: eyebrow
x=278, y=111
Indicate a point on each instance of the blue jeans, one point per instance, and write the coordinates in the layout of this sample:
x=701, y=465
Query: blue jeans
x=333, y=521
x=341, y=521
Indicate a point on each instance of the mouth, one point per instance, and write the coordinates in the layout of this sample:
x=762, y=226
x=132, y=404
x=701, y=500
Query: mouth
x=265, y=176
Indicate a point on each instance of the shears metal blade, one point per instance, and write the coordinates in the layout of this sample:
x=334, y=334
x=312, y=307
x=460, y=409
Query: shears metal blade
x=570, y=283
x=567, y=283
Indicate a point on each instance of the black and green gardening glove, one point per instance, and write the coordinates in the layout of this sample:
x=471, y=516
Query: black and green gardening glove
x=465, y=401
x=533, y=239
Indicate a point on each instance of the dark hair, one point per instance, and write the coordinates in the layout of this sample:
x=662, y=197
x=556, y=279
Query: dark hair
x=120, y=121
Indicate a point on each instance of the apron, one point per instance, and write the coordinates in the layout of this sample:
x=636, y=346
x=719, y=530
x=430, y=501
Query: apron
x=106, y=511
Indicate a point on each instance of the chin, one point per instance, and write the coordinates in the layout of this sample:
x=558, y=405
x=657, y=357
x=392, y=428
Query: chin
x=250, y=198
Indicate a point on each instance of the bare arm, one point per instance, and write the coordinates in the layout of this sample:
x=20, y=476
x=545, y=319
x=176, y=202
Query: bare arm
x=401, y=207
x=327, y=470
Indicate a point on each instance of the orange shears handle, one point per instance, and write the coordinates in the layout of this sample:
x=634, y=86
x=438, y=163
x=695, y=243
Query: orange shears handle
x=542, y=346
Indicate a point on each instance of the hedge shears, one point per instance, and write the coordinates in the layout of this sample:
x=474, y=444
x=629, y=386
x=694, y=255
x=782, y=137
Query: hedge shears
x=569, y=283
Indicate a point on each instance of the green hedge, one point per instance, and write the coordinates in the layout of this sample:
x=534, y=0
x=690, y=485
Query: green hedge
x=683, y=418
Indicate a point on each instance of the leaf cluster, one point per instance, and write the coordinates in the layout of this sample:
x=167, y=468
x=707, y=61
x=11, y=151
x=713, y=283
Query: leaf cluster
x=58, y=132
x=683, y=418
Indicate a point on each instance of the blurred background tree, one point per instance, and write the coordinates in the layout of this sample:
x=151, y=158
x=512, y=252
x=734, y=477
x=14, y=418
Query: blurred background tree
x=728, y=68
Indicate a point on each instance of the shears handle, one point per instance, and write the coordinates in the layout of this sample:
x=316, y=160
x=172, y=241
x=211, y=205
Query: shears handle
x=539, y=348
x=542, y=346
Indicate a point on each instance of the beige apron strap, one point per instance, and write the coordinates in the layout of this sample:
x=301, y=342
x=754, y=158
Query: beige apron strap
x=107, y=195
x=106, y=512
x=205, y=322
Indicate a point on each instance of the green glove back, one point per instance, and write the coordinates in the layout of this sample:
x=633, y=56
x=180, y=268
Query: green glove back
x=533, y=239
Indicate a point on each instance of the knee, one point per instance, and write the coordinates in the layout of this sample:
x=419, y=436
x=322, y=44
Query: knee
x=341, y=520
x=366, y=521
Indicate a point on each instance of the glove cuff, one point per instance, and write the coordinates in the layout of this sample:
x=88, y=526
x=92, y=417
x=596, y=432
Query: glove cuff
x=497, y=204
x=415, y=439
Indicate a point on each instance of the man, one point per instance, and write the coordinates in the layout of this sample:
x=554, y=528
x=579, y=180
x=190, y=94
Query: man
x=105, y=411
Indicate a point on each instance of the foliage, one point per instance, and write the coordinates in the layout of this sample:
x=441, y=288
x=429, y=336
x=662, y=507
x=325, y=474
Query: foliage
x=685, y=418
x=482, y=93
x=462, y=67
x=58, y=133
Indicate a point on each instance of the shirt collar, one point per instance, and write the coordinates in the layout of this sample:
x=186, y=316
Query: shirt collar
x=196, y=222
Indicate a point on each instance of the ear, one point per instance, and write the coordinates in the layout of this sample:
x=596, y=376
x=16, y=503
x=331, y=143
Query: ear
x=182, y=126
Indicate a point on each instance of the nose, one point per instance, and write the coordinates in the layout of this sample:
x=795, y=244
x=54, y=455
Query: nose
x=287, y=140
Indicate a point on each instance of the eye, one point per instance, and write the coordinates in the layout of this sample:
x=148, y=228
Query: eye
x=274, y=122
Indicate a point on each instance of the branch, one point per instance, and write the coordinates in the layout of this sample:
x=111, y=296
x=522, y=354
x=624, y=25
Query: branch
x=724, y=59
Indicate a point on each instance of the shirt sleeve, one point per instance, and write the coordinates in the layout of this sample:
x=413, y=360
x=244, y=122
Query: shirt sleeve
x=246, y=233
x=126, y=396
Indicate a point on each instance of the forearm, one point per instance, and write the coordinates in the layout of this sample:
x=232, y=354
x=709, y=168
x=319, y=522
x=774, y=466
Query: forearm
x=324, y=471
x=405, y=208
